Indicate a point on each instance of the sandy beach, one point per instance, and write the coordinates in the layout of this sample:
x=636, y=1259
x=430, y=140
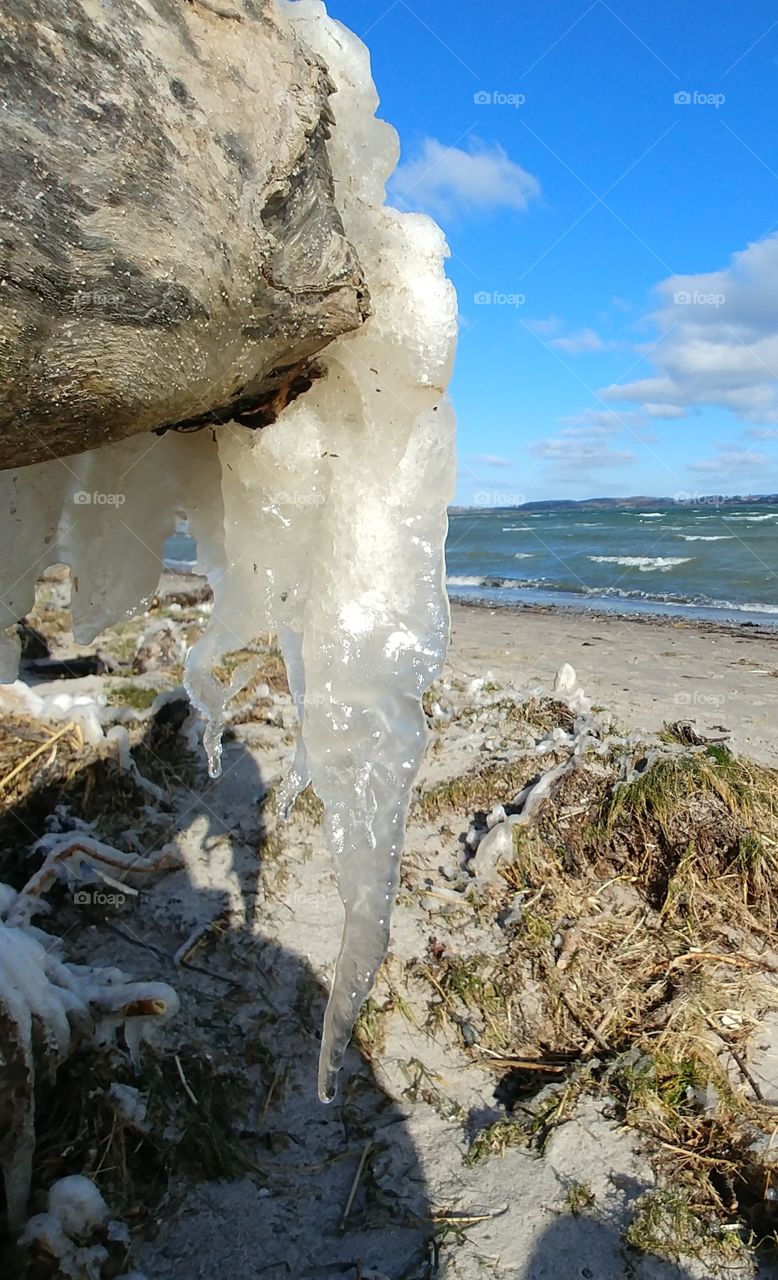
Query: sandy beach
x=645, y=670
x=577, y=1019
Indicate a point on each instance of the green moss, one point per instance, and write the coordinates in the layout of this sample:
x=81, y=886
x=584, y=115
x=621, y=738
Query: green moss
x=127, y=694
x=667, y=1223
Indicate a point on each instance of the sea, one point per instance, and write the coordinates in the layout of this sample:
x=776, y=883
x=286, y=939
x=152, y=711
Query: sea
x=715, y=562
x=712, y=561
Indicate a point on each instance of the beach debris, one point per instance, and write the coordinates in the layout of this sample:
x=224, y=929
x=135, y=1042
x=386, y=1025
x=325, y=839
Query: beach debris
x=494, y=848
x=81, y=859
x=160, y=644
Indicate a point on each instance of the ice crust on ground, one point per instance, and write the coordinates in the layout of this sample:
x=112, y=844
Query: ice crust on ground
x=326, y=528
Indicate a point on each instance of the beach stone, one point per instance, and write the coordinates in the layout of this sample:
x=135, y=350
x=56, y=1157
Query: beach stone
x=170, y=250
x=494, y=849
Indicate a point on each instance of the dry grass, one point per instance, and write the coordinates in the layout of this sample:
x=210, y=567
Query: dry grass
x=647, y=915
x=480, y=789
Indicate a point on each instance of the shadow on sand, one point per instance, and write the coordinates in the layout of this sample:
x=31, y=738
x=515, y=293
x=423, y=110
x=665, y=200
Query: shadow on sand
x=238, y=1168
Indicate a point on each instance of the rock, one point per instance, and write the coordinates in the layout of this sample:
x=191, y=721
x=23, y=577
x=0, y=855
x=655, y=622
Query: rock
x=161, y=645
x=170, y=250
x=566, y=680
x=494, y=849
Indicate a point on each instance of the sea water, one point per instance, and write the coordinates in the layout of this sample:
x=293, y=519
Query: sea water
x=708, y=561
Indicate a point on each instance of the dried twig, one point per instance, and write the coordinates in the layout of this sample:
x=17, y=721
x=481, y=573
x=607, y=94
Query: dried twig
x=190, y=1095
x=39, y=750
x=357, y=1176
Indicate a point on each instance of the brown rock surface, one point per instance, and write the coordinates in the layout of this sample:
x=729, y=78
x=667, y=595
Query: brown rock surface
x=170, y=249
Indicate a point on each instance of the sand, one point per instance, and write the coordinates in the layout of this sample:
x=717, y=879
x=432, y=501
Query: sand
x=645, y=670
x=411, y=1103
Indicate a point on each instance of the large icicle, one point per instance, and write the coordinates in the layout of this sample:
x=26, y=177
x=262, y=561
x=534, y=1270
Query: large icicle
x=327, y=528
x=334, y=531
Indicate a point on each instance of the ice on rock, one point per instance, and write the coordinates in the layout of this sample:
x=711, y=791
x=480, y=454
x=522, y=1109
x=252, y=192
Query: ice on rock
x=566, y=680
x=326, y=528
x=494, y=848
x=77, y=1204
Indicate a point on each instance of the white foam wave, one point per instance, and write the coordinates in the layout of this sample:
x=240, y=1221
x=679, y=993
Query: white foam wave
x=646, y=564
x=707, y=537
x=771, y=515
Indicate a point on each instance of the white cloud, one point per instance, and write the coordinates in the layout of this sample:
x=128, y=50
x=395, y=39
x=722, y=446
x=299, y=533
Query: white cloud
x=572, y=454
x=731, y=461
x=545, y=328
x=492, y=460
x=718, y=340
x=665, y=411
x=598, y=423
x=763, y=433
x=584, y=341
x=449, y=180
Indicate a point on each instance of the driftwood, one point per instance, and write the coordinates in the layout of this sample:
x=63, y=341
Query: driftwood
x=170, y=250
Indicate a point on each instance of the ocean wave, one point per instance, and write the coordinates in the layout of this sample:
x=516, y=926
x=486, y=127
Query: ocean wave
x=646, y=564
x=499, y=584
x=677, y=600
x=515, y=528
x=707, y=537
x=771, y=515
x=179, y=566
x=746, y=608
x=651, y=515
x=697, y=601
x=523, y=555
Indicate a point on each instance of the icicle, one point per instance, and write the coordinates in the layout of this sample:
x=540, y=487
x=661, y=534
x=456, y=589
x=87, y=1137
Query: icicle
x=326, y=528
x=334, y=523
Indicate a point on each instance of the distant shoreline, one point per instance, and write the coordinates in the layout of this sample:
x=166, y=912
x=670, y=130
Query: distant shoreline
x=636, y=503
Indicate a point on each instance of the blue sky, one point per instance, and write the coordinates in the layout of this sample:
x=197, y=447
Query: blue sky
x=607, y=177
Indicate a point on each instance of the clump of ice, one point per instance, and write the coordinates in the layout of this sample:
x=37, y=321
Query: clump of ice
x=47, y=1005
x=77, y=1204
x=327, y=528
